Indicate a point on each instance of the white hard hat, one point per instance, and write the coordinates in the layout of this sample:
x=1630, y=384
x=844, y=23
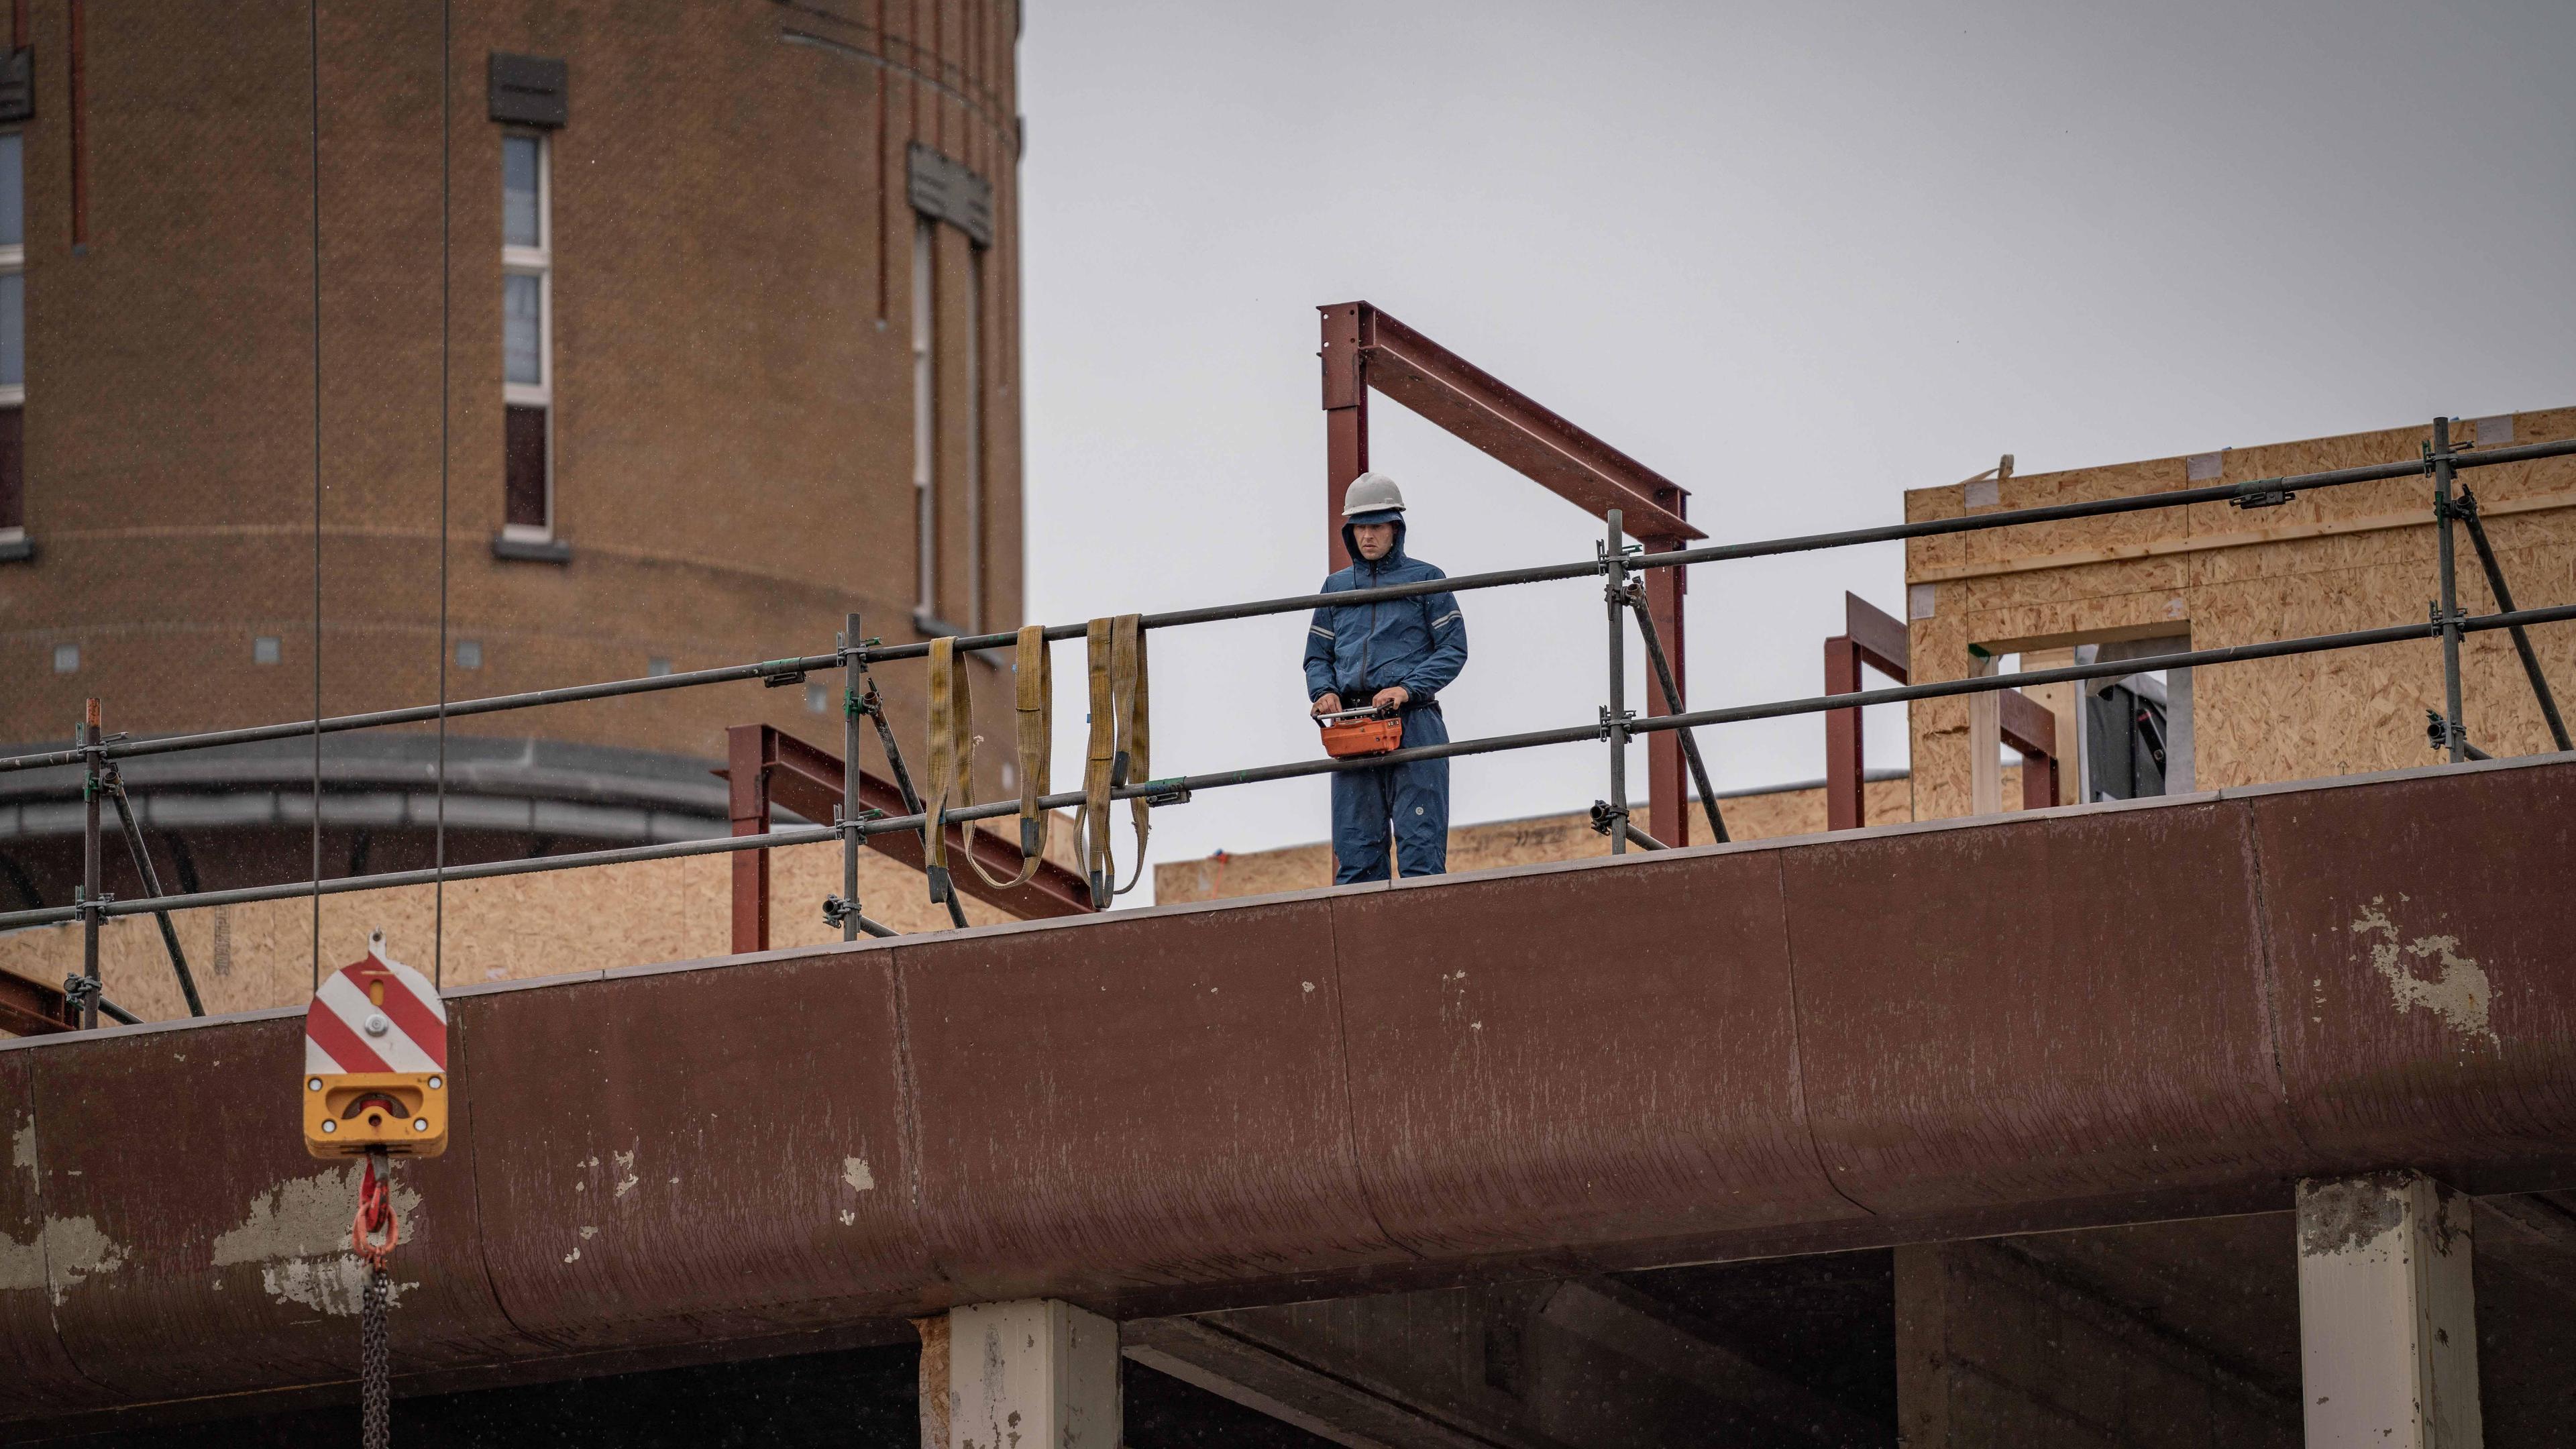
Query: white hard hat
x=1372, y=493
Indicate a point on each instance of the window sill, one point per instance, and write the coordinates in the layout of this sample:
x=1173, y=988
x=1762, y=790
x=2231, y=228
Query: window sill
x=531, y=550
x=20, y=549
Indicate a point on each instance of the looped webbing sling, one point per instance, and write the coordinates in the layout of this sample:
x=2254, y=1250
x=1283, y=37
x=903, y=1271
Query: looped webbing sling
x=952, y=757
x=1033, y=711
x=1119, y=750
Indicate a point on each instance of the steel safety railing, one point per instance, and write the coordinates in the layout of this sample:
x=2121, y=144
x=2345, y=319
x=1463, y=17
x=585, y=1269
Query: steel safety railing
x=1614, y=561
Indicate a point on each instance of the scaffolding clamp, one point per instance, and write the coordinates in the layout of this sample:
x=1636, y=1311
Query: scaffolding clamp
x=1607, y=818
x=2258, y=495
x=1624, y=719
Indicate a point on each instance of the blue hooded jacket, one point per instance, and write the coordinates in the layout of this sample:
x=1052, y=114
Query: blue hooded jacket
x=1355, y=650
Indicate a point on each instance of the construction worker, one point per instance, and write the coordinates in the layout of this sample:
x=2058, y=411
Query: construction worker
x=1395, y=654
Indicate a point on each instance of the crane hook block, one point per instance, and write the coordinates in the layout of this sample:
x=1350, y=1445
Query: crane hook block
x=375, y=1061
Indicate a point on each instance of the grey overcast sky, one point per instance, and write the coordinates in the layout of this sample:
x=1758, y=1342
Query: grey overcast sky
x=1799, y=258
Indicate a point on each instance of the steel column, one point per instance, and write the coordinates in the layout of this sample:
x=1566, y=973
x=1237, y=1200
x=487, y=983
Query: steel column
x=1846, y=806
x=747, y=801
x=1346, y=441
x=1667, y=788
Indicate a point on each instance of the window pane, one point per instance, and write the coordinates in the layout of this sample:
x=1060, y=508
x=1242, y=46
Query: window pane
x=522, y=328
x=519, y=192
x=523, y=462
x=13, y=329
x=13, y=191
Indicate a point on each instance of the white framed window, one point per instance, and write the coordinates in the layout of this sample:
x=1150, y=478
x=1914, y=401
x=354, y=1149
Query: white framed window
x=527, y=337
x=925, y=412
x=13, y=338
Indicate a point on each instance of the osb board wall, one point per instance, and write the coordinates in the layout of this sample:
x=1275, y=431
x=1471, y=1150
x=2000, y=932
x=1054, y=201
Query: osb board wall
x=1517, y=842
x=511, y=928
x=2194, y=570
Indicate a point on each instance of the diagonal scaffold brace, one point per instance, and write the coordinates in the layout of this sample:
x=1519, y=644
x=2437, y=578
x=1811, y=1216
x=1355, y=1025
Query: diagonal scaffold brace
x=2464, y=506
x=1634, y=596
x=151, y=878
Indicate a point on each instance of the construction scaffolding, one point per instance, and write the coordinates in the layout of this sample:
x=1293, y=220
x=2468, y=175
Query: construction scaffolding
x=1619, y=563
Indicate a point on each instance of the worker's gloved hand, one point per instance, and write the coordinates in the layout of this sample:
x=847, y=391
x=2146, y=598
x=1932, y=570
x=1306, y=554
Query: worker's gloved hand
x=1393, y=697
x=1327, y=703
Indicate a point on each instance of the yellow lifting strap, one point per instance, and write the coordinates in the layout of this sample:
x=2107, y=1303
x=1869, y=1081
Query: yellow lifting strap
x=1119, y=750
x=952, y=757
x=1033, y=706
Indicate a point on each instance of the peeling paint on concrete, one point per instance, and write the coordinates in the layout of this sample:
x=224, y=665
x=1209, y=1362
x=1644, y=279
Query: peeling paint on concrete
x=22, y=1265
x=336, y=1286
x=298, y=1234
x=22, y=1149
x=2352, y=1214
x=2459, y=997
x=76, y=1249
x=854, y=1171
x=626, y=1178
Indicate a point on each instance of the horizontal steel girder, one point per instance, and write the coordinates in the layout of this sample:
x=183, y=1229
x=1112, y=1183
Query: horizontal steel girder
x=2079, y=1017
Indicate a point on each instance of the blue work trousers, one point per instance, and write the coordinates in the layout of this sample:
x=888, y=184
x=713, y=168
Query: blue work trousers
x=1412, y=798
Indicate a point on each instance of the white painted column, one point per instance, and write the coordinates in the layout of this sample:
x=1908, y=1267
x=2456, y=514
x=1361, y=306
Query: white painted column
x=1032, y=1374
x=2388, y=1344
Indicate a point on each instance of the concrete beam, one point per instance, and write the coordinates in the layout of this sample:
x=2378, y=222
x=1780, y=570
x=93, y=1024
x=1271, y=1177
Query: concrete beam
x=2388, y=1344
x=1616, y=1317
x=1268, y=1381
x=1037, y=1373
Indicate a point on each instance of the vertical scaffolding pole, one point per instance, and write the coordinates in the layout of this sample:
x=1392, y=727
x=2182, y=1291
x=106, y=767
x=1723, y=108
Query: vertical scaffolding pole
x=1614, y=719
x=849, y=778
x=2456, y=734
x=90, y=902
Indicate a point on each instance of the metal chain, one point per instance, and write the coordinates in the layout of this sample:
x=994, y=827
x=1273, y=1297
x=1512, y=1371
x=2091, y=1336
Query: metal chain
x=375, y=1351
x=375, y=1366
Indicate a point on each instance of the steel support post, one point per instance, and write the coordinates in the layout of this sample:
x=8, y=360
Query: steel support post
x=2454, y=729
x=1346, y=440
x=1846, y=805
x=90, y=901
x=1035, y=1372
x=747, y=803
x=849, y=780
x=1667, y=780
x=2388, y=1343
x=1614, y=719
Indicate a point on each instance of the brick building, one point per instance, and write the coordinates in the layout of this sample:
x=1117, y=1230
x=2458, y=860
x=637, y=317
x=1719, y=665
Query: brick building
x=660, y=340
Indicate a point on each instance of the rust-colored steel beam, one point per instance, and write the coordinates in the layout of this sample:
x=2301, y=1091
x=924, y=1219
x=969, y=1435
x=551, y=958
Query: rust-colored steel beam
x=1299, y=1096
x=32, y=1008
x=1878, y=639
x=807, y=779
x=1364, y=348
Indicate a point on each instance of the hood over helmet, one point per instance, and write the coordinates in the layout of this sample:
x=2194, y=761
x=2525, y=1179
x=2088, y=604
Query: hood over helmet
x=1373, y=498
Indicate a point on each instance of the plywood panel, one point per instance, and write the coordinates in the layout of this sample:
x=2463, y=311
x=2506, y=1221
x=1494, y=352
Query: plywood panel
x=2275, y=719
